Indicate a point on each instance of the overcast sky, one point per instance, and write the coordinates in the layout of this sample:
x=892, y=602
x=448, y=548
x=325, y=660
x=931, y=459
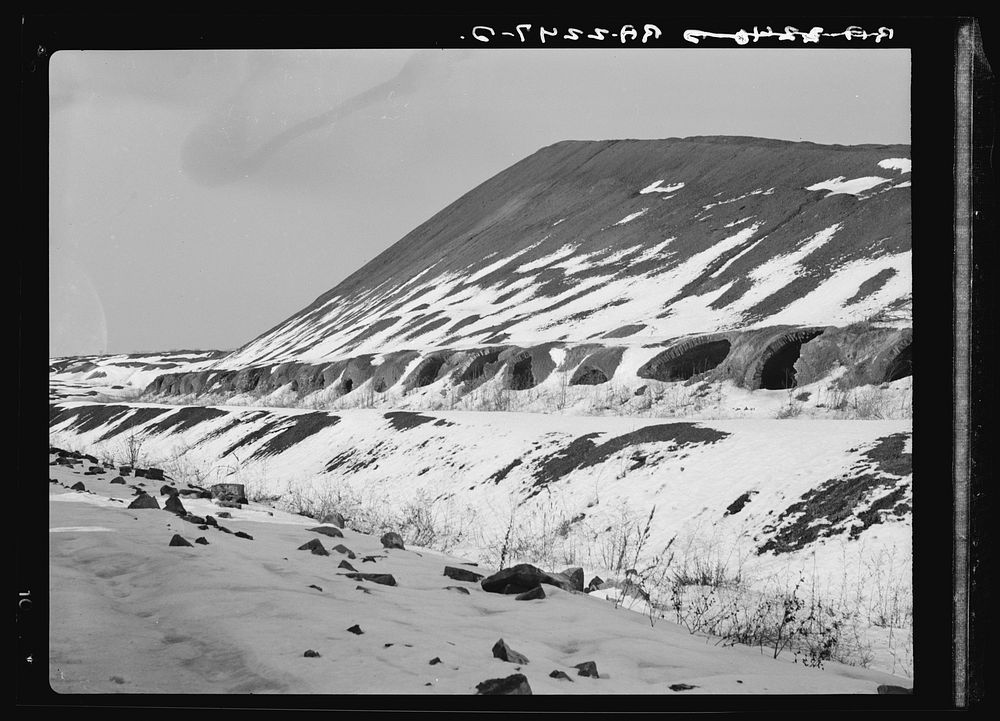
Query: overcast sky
x=197, y=198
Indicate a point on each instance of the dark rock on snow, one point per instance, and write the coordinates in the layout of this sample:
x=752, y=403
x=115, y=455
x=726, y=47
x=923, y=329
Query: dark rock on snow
x=505, y=653
x=516, y=685
x=179, y=540
x=334, y=518
x=311, y=654
x=315, y=547
x=229, y=492
x=331, y=531
x=119, y=480
x=523, y=577
x=78, y=486
x=560, y=674
x=460, y=589
x=356, y=630
x=575, y=576
x=383, y=579
x=144, y=500
x=461, y=574
x=202, y=540
x=174, y=505
x=392, y=540
x=531, y=595
x=241, y=534
x=341, y=548
x=347, y=566
x=587, y=668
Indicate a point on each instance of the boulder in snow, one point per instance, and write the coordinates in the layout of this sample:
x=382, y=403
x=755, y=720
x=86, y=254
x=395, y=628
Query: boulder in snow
x=333, y=518
x=505, y=653
x=523, y=577
x=144, y=500
x=392, y=540
x=315, y=547
x=535, y=593
x=515, y=685
x=461, y=574
x=331, y=531
x=174, y=505
x=385, y=579
x=575, y=576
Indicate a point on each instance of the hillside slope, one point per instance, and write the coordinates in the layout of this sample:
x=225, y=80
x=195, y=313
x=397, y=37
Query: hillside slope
x=232, y=614
x=640, y=239
x=809, y=489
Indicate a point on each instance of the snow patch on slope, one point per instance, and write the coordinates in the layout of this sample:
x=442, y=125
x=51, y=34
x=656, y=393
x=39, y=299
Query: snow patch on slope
x=756, y=191
x=655, y=188
x=844, y=284
x=900, y=164
x=483, y=272
x=840, y=186
x=781, y=270
x=545, y=260
x=632, y=216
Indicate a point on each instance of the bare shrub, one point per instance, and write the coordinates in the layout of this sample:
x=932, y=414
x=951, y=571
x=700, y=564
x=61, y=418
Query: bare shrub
x=132, y=449
x=424, y=522
x=868, y=404
x=792, y=410
x=544, y=534
x=622, y=540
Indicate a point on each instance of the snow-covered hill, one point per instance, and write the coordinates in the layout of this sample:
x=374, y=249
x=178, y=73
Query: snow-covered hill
x=636, y=240
x=615, y=262
x=122, y=376
x=773, y=493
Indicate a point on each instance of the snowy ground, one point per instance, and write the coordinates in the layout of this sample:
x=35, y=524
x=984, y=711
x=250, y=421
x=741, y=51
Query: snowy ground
x=119, y=377
x=131, y=614
x=495, y=487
